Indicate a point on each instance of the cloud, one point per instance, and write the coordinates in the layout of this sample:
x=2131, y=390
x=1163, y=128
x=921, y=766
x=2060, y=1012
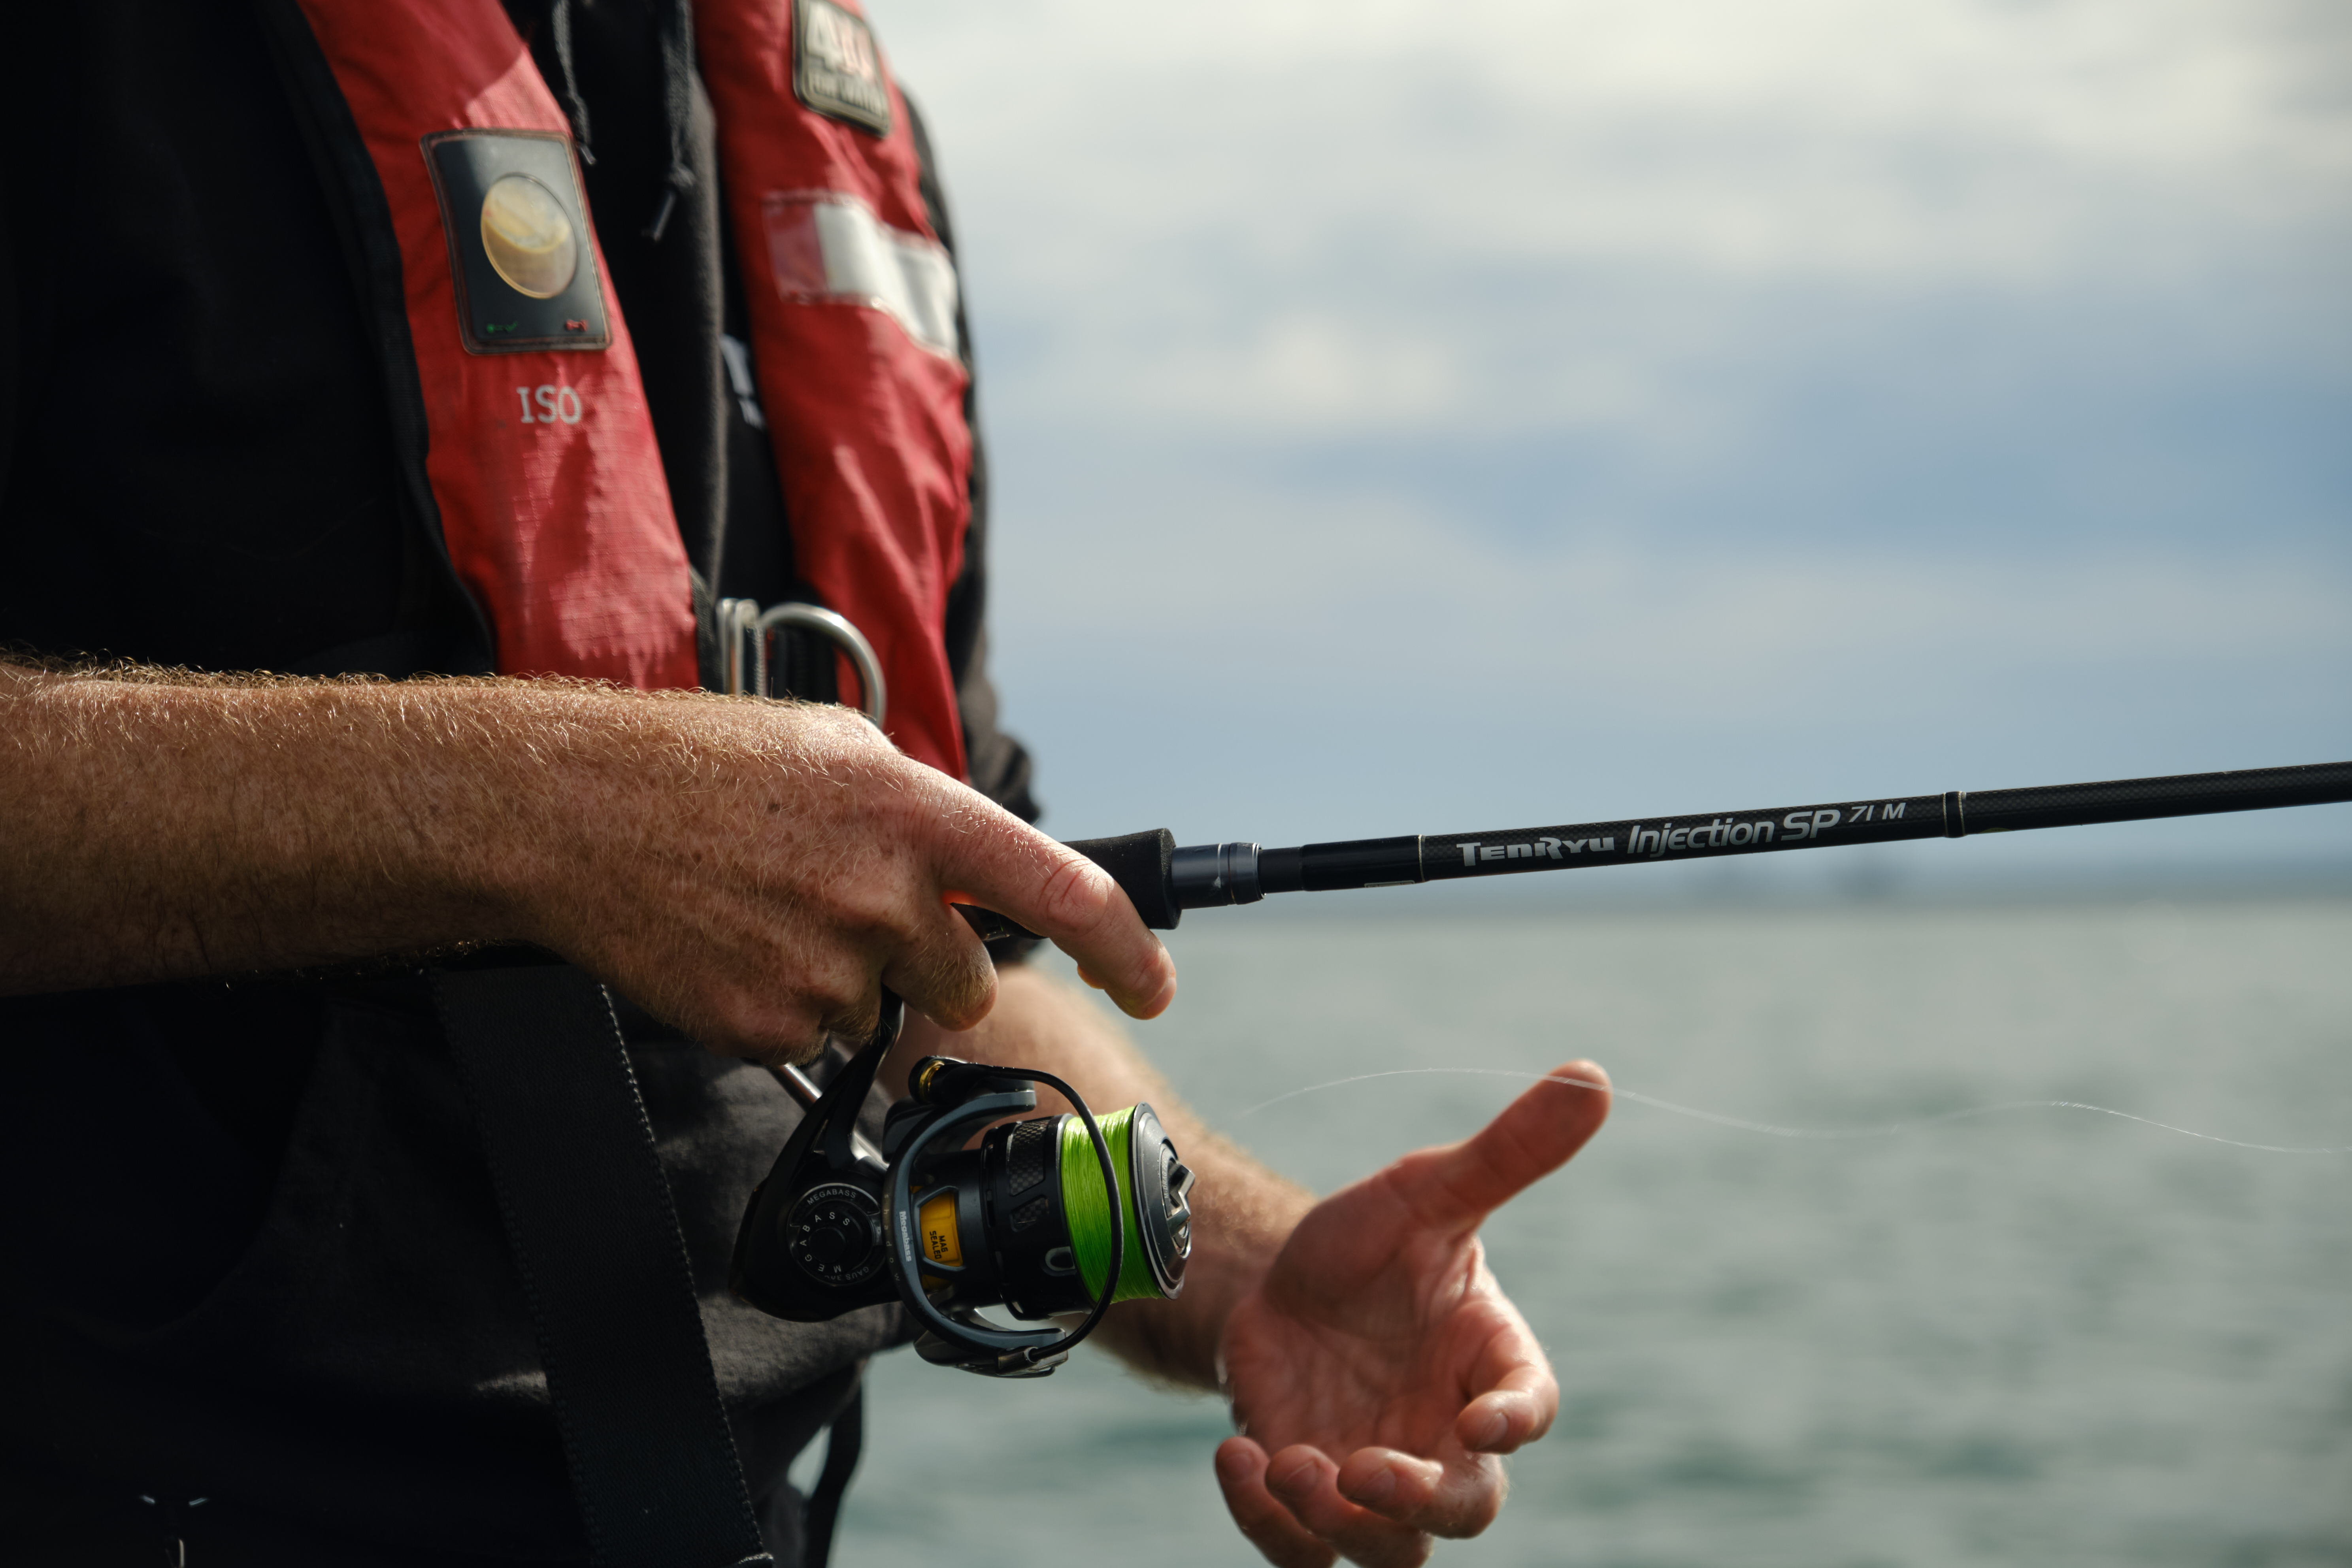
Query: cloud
x=1927, y=139
x=1298, y=218
x=1788, y=390
x=1305, y=676
x=1720, y=629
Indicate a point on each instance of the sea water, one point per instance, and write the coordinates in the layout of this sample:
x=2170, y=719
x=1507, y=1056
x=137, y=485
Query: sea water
x=2033, y=1337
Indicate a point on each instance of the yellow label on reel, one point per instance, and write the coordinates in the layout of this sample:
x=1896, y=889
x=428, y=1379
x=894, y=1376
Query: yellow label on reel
x=937, y=1216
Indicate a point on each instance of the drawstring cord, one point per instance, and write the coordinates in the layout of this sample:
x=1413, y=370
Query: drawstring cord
x=677, y=106
x=677, y=25
x=575, y=108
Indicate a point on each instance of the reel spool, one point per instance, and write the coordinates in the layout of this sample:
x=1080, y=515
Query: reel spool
x=1027, y=1220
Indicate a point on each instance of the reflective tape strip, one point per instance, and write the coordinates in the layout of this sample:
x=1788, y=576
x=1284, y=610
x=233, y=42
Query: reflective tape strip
x=827, y=247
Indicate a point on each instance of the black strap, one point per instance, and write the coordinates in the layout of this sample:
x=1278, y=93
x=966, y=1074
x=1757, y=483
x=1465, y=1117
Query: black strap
x=589, y=1218
x=842, y=1445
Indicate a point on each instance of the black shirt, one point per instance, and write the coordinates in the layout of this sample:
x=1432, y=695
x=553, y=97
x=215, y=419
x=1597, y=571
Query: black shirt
x=196, y=469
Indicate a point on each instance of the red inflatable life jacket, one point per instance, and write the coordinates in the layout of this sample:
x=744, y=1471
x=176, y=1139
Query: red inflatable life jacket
x=540, y=454
x=854, y=333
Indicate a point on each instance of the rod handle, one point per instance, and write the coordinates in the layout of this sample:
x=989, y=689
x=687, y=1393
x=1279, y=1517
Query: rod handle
x=1142, y=864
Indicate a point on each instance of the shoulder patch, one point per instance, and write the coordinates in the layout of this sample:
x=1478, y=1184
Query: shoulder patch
x=519, y=241
x=836, y=69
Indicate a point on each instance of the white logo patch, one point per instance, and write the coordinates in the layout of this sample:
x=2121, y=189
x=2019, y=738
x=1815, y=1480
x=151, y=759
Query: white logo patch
x=836, y=68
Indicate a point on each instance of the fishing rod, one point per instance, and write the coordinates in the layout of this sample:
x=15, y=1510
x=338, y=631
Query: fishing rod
x=1164, y=879
x=1066, y=1213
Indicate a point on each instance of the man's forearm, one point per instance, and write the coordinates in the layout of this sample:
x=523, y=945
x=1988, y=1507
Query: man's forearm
x=164, y=827
x=1242, y=1212
x=744, y=868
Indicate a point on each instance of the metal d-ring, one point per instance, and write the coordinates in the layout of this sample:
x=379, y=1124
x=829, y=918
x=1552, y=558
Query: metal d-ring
x=742, y=622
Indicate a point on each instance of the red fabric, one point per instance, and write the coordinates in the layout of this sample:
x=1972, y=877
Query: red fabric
x=562, y=532
x=868, y=425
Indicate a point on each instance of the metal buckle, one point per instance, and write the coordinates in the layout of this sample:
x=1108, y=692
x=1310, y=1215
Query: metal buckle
x=744, y=629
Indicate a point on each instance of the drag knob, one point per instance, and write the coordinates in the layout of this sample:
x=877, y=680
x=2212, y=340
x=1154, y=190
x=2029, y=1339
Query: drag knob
x=835, y=1234
x=836, y=1247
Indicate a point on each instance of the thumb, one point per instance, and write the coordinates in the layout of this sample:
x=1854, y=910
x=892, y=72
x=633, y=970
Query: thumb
x=1533, y=1136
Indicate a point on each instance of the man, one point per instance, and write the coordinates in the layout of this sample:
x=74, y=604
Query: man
x=261, y=1298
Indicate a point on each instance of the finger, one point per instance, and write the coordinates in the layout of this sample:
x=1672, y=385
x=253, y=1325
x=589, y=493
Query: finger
x=1059, y=893
x=833, y=992
x=1263, y=1521
x=943, y=971
x=1456, y=1497
x=1516, y=1409
x=1534, y=1136
x=1307, y=1483
x=739, y=1023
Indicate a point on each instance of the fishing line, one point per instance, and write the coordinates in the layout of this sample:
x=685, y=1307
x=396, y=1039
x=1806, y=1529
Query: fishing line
x=1088, y=1209
x=1772, y=1130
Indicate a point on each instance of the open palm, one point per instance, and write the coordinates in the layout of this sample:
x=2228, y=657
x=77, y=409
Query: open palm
x=1378, y=1372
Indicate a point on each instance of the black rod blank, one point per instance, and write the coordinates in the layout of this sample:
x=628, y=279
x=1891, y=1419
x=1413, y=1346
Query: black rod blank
x=1205, y=875
x=1163, y=879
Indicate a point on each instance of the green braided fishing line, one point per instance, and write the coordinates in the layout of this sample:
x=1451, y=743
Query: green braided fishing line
x=1089, y=1211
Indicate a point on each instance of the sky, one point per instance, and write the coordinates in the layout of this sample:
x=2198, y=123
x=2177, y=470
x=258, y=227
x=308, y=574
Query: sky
x=1416, y=418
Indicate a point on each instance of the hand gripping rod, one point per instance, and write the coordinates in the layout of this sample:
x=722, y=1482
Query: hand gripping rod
x=1164, y=880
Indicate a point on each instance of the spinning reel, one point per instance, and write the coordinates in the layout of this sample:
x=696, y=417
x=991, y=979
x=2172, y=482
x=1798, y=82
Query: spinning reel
x=1050, y=1215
